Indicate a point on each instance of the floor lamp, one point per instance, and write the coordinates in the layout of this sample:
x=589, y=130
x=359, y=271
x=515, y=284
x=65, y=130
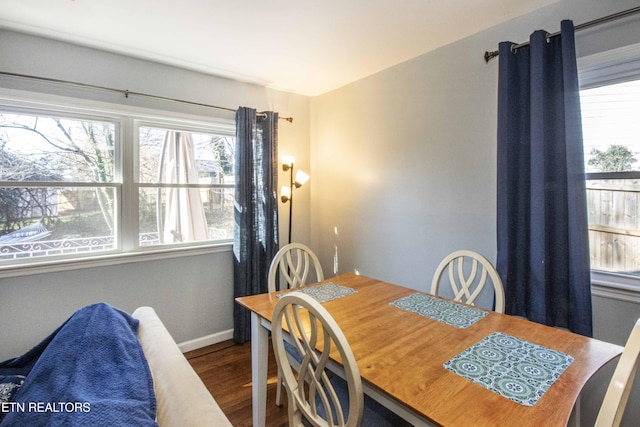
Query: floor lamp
x=286, y=193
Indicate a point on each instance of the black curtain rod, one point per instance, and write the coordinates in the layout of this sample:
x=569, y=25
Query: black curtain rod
x=126, y=92
x=488, y=56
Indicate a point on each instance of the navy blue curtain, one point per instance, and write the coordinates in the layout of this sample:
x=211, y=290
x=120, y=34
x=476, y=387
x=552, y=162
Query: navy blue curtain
x=256, y=209
x=543, y=242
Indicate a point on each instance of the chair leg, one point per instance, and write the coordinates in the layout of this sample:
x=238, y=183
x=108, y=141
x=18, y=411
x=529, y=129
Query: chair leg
x=279, y=389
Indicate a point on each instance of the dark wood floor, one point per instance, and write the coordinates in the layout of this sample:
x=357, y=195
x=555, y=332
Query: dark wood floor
x=225, y=368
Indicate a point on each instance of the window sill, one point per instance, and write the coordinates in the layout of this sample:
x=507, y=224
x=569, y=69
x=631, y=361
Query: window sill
x=111, y=259
x=615, y=286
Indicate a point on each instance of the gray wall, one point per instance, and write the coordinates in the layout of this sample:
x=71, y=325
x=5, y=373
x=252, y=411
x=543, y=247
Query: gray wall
x=192, y=294
x=404, y=163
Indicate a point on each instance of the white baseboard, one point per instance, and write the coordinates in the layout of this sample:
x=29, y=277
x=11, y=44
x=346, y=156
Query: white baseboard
x=205, y=341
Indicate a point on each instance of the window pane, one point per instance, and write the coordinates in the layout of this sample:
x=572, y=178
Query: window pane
x=614, y=226
x=178, y=215
x=41, y=221
x=611, y=128
x=173, y=156
x=40, y=148
x=203, y=212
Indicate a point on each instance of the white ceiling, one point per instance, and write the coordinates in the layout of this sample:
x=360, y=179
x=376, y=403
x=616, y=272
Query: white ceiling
x=302, y=46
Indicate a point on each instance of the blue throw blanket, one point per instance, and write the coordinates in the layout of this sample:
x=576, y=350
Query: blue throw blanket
x=90, y=372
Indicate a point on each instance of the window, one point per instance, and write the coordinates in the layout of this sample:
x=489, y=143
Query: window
x=610, y=102
x=185, y=186
x=81, y=183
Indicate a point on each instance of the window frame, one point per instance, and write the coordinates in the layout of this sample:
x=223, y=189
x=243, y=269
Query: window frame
x=602, y=69
x=127, y=120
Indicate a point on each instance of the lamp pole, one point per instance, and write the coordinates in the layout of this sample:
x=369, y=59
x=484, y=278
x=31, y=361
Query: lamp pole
x=290, y=200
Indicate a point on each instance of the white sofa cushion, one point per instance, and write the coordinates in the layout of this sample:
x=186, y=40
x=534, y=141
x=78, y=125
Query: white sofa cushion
x=182, y=398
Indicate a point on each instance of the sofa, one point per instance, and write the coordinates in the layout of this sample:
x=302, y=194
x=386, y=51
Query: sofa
x=182, y=398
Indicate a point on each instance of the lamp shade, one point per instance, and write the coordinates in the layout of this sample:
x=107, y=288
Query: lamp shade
x=301, y=178
x=287, y=162
x=285, y=194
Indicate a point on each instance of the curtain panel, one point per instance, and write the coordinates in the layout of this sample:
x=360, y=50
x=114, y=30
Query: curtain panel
x=542, y=236
x=256, y=209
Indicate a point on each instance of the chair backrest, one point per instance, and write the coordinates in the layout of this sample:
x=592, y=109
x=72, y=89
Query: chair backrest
x=468, y=274
x=615, y=399
x=294, y=262
x=317, y=336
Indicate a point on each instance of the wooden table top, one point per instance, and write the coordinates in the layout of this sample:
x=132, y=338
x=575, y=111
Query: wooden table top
x=402, y=354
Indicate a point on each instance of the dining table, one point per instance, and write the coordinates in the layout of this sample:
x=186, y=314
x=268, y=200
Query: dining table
x=439, y=362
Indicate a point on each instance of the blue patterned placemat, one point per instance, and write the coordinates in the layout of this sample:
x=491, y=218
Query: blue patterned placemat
x=325, y=292
x=451, y=313
x=513, y=368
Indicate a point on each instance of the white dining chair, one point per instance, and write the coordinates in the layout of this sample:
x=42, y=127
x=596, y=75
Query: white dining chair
x=615, y=399
x=294, y=262
x=468, y=273
x=314, y=393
